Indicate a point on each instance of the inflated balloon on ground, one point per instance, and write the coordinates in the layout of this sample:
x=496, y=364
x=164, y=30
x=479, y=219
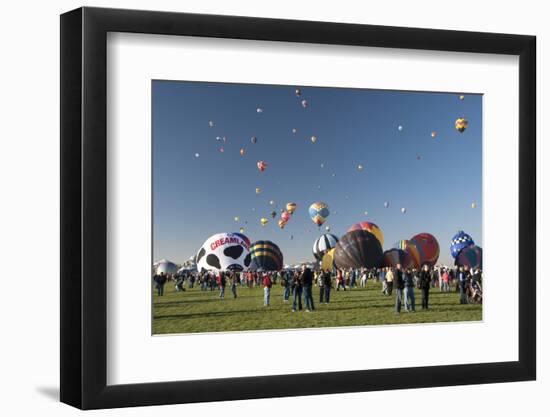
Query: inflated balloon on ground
x=323, y=244
x=428, y=248
x=394, y=256
x=369, y=227
x=358, y=249
x=411, y=250
x=470, y=257
x=265, y=255
x=460, y=241
x=224, y=252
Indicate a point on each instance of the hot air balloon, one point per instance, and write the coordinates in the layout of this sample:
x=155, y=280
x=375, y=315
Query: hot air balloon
x=236, y=218
x=218, y=138
x=461, y=97
x=403, y=210
x=285, y=216
x=282, y=223
x=313, y=139
x=369, y=227
x=474, y=205
x=261, y=166
x=323, y=244
x=298, y=92
x=460, y=241
x=242, y=151
x=318, y=212
x=197, y=155
x=433, y=134
x=394, y=256
x=366, y=213
x=428, y=248
x=224, y=139
x=294, y=130
x=360, y=167
x=400, y=128
x=327, y=228
x=258, y=190
x=327, y=263
x=222, y=150
x=304, y=103
x=253, y=139
x=386, y=204
x=470, y=257
x=264, y=221
x=224, y=252
x=259, y=110
x=241, y=230
x=461, y=124
x=211, y=123
x=271, y=202
x=167, y=267
x=291, y=207
x=265, y=255
x=358, y=249
x=411, y=250
x=273, y=214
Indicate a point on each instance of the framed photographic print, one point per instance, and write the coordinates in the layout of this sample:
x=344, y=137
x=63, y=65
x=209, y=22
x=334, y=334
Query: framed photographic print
x=320, y=207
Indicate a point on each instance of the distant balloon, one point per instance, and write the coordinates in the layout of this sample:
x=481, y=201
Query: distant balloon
x=428, y=248
x=461, y=124
x=298, y=92
x=369, y=227
x=461, y=97
x=366, y=213
x=386, y=204
x=273, y=214
x=403, y=210
x=460, y=241
x=360, y=167
x=197, y=155
x=259, y=110
x=271, y=202
x=224, y=139
x=218, y=138
x=261, y=166
x=236, y=218
x=291, y=207
x=263, y=221
x=319, y=212
x=323, y=244
x=222, y=150
x=433, y=134
x=285, y=216
x=314, y=139
x=282, y=223
x=291, y=237
x=258, y=190
x=358, y=249
x=294, y=130
x=304, y=103
x=327, y=228
x=470, y=257
x=242, y=151
x=400, y=128
x=241, y=230
x=253, y=139
x=474, y=205
x=210, y=123
x=418, y=157
x=322, y=165
x=265, y=255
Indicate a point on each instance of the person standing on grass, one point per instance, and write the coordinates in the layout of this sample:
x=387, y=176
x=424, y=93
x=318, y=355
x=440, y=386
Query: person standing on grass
x=408, y=279
x=321, y=284
x=307, y=282
x=340, y=280
x=445, y=281
x=327, y=285
x=235, y=279
x=389, y=281
x=160, y=280
x=286, y=282
x=462, y=284
x=399, y=285
x=296, y=292
x=221, y=283
x=267, y=283
x=425, y=284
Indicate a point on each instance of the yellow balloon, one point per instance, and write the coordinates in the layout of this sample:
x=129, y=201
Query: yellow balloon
x=474, y=205
x=241, y=230
x=461, y=124
x=264, y=221
x=258, y=190
x=236, y=218
x=328, y=260
x=434, y=134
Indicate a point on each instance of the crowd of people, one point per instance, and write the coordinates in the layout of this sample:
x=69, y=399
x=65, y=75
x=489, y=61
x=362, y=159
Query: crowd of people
x=299, y=283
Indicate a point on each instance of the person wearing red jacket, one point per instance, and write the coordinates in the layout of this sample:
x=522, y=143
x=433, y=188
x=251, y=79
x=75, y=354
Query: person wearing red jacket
x=267, y=289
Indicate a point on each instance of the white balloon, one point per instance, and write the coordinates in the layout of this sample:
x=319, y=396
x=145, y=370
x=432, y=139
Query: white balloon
x=224, y=252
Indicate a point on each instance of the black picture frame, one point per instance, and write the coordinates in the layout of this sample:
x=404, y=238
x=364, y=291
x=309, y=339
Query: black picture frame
x=84, y=207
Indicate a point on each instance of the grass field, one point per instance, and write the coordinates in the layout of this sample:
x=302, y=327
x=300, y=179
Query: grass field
x=194, y=311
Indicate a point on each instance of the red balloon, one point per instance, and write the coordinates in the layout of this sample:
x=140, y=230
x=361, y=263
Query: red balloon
x=428, y=248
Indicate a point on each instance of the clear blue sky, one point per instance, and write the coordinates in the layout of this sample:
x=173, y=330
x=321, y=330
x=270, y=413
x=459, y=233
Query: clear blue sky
x=195, y=197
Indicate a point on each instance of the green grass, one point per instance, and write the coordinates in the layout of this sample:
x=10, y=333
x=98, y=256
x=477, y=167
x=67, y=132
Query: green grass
x=195, y=311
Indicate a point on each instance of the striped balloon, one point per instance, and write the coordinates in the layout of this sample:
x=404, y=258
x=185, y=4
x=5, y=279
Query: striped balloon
x=461, y=124
x=394, y=256
x=327, y=263
x=291, y=207
x=323, y=244
x=318, y=212
x=369, y=227
x=358, y=249
x=265, y=255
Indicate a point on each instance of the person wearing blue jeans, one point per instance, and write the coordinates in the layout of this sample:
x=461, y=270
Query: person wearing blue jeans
x=297, y=293
x=307, y=282
x=408, y=280
x=399, y=285
x=462, y=281
x=327, y=285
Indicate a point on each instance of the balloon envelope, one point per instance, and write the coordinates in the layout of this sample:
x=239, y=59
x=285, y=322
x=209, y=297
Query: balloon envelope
x=394, y=256
x=369, y=227
x=224, y=252
x=167, y=267
x=428, y=248
x=261, y=166
x=358, y=249
x=291, y=207
x=285, y=216
x=460, y=241
x=318, y=212
x=461, y=124
x=265, y=255
x=323, y=244
x=411, y=250
x=327, y=263
x=470, y=257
